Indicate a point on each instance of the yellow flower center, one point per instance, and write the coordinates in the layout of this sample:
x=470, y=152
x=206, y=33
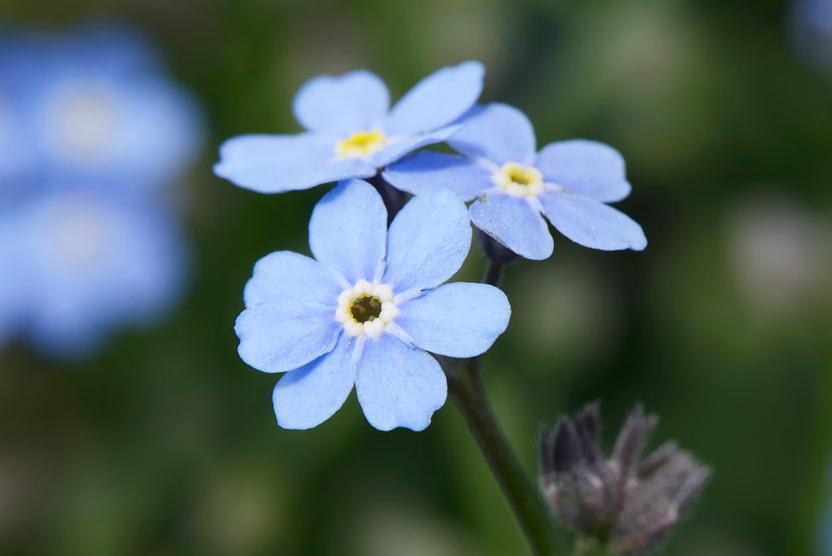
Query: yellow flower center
x=518, y=180
x=361, y=144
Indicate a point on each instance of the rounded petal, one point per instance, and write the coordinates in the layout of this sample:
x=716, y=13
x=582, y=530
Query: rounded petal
x=278, y=163
x=404, y=144
x=457, y=320
x=497, y=132
x=515, y=224
x=306, y=397
x=586, y=167
x=286, y=276
x=428, y=241
x=438, y=100
x=428, y=171
x=591, y=223
x=348, y=230
x=399, y=386
x=346, y=103
x=279, y=337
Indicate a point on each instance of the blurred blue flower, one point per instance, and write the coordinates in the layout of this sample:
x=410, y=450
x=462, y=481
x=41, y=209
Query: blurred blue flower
x=570, y=182
x=350, y=130
x=366, y=310
x=83, y=263
x=92, y=104
x=811, y=25
x=90, y=128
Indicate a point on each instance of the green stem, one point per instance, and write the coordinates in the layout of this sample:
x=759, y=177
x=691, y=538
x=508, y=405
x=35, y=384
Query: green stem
x=468, y=392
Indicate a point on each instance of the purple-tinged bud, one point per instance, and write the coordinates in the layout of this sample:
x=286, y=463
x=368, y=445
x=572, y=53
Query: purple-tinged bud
x=623, y=502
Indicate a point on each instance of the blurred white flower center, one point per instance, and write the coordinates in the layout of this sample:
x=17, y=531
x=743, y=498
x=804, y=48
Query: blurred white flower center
x=365, y=310
x=361, y=144
x=76, y=231
x=518, y=180
x=82, y=123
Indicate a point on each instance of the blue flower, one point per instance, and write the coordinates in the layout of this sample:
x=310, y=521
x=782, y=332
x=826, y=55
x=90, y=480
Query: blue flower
x=570, y=182
x=81, y=264
x=92, y=104
x=811, y=30
x=366, y=310
x=350, y=130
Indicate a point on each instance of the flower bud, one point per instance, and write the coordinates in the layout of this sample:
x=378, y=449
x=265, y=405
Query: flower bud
x=622, y=501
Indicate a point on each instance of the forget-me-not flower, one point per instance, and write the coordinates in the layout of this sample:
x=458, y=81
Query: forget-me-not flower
x=90, y=128
x=350, y=130
x=92, y=104
x=811, y=27
x=570, y=182
x=84, y=263
x=367, y=309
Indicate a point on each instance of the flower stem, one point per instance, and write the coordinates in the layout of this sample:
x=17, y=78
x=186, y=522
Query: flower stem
x=469, y=394
x=393, y=199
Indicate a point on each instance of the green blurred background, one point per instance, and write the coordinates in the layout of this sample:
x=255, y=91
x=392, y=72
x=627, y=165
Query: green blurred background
x=166, y=443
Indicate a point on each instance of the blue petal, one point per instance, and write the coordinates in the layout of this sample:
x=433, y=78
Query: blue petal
x=438, y=100
x=399, y=386
x=306, y=397
x=428, y=171
x=457, y=320
x=515, y=224
x=586, y=167
x=280, y=336
x=347, y=103
x=428, y=241
x=497, y=132
x=348, y=230
x=284, y=275
x=405, y=144
x=591, y=223
x=278, y=163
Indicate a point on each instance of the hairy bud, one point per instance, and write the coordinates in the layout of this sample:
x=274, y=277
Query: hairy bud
x=622, y=501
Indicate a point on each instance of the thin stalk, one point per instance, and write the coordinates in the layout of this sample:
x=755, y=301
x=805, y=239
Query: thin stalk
x=468, y=392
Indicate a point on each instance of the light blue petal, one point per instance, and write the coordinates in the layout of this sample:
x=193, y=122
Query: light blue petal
x=497, y=132
x=278, y=163
x=515, y=224
x=428, y=241
x=586, y=167
x=279, y=337
x=438, y=100
x=405, y=144
x=591, y=223
x=457, y=320
x=284, y=275
x=428, y=171
x=346, y=103
x=399, y=386
x=306, y=397
x=348, y=230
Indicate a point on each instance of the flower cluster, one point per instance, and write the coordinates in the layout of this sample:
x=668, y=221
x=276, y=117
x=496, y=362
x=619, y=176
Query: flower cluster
x=367, y=311
x=87, y=241
x=622, y=502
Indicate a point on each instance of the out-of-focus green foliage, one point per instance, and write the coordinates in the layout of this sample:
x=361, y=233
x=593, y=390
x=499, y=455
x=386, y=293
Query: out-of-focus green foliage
x=166, y=444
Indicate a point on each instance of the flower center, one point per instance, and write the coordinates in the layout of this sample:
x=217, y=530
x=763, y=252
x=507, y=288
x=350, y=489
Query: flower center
x=361, y=144
x=366, y=309
x=518, y=180
x=82, y=124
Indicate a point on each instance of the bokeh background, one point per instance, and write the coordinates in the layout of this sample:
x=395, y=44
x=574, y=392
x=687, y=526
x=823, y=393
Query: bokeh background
x=165, y=443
